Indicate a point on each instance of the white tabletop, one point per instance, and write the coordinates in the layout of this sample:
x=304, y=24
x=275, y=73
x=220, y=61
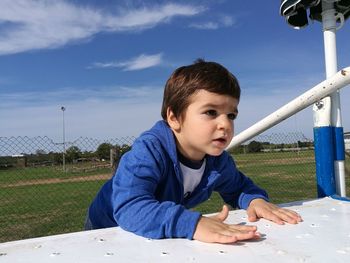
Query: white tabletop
x=324, y=236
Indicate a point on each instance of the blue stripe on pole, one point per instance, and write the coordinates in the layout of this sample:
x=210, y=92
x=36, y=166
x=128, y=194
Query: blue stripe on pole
x=339, y=144
x=324, y=156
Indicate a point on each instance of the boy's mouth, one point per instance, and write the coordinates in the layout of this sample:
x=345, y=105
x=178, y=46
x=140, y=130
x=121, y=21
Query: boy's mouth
x=220, y=140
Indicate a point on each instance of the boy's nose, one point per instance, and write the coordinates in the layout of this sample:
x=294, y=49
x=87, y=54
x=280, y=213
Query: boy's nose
x=225, y=123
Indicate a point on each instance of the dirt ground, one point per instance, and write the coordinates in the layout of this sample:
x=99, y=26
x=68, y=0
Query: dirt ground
x=59, y=180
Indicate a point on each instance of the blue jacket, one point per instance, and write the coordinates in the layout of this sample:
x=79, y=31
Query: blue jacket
x=146, y=196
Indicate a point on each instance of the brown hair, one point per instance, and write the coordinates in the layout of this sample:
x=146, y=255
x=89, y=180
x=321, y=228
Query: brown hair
x=187, y=80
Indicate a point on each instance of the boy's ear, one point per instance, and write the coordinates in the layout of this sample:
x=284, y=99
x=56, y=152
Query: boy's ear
x=173, y=122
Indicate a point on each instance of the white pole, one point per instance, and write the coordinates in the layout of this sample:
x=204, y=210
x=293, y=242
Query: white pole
x=329, y=21
x=323, y=89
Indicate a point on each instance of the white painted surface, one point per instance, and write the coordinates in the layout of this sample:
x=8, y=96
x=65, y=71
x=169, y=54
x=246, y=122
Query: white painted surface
x=324, y=236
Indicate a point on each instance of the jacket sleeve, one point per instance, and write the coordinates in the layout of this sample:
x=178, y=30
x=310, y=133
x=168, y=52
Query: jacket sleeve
x=135, y=207
x=234, y=187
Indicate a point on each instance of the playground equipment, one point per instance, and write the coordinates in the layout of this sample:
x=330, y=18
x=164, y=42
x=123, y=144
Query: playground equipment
x=328, y=130
x=317, y=239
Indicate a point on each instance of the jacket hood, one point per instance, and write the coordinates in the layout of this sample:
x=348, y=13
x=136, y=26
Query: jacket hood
x=164, y=134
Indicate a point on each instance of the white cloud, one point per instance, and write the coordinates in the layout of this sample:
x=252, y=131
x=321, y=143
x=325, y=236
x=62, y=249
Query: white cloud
x=143, y=61
x=116, y=112
x=97, y=119
x=69, y=95
x=206, y=25
x=31, y=25
x=227, y=20
x=222, y=21
x=110, y=112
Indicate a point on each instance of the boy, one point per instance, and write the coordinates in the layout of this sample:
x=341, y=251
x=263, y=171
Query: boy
x=179, y=162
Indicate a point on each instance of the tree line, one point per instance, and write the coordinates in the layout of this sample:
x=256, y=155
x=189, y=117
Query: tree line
x=72, y=155
x=256, y=146
x=106, y=151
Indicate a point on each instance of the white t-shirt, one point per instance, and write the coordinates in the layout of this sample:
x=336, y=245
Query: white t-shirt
x=191, y=177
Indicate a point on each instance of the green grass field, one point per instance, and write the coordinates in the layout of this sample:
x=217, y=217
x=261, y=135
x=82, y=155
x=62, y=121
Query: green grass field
x=286, y=176
x=13, y=176
x=45, y=200
x=40, y=210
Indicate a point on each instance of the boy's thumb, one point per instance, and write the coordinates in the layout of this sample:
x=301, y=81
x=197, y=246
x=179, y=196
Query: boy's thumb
x=252, y=217
x=223, y=214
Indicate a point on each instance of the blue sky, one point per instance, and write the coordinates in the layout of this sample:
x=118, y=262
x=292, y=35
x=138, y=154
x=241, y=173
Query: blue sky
x=107, y=61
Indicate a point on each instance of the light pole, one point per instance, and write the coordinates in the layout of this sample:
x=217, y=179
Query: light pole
x=64, y=140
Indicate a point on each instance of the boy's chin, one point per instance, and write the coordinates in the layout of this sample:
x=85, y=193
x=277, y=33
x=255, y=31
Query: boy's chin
x=216, y=153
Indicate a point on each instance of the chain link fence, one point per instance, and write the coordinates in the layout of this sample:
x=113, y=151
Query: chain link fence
x=282, y=164
x=46, y=187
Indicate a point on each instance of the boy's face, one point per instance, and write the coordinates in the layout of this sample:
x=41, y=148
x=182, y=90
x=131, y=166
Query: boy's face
x=207, y=125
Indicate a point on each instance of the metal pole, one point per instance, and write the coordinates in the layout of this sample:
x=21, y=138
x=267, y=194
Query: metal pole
x=323, y=89
x=328, y=131
x=64, y=140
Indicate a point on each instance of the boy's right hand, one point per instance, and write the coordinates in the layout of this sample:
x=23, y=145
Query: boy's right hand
x=214, y=230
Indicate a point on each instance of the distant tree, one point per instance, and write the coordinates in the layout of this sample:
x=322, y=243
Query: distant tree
x=40, y=152
x=118, y=152
x=237, y=150
x=254, y=147
x=56, y=157
x=72, y=153
x=282, y=146
x=39, y=156
x=88, y=154
x=124, y=148
x=103, y=151
x=305, y=144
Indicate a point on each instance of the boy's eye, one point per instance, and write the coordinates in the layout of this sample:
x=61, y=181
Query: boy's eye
x=232, y=116
x=211, y=113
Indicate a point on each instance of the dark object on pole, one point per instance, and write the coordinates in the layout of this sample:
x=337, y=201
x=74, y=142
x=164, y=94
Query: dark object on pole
x=296, y=11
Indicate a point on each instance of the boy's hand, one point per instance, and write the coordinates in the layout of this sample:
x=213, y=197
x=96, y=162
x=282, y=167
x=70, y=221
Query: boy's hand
x=213, y=230
x=259, y=208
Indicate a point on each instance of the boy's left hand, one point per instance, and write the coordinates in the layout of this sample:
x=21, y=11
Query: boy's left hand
x=259, y=208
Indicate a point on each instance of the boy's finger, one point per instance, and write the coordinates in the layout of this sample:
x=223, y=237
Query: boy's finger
x=252, y=217
x=289, y=216
x=222, y=215
x=274, y=217
x=234, y=236
x=246, y=235
x=243, y=228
